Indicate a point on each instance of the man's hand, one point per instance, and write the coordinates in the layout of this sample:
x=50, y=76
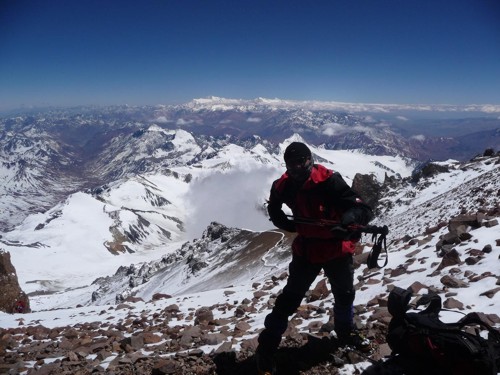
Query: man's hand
x=343, y=233
x=345, y=230
x=348, y=218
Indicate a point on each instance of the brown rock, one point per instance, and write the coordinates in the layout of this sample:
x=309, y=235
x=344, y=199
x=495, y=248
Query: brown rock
x=452, y=282
x=171, y=309
x=416, y=286
x=452, y=303
x=450, y=259
x=12, y=298
x=468, y=220
x=189, y=335
x=151, y=338
x=320, y=291
x=491, y=223
x=400, y=270
x=225, y=347
x=158, y=296
x=165, y=367
x=490, y=293
x=242, y=326
x=367, y=187
x=259, y=294
x=204, y=315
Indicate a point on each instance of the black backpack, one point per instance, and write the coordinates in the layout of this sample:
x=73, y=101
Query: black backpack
x=426, y=345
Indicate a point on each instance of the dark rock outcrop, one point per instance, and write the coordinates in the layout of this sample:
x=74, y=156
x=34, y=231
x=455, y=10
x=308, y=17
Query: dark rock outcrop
x=428, y=170
x=367, y=187
x=12, y=298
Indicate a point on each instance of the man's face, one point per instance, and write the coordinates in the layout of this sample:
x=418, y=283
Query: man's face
x=299, y=168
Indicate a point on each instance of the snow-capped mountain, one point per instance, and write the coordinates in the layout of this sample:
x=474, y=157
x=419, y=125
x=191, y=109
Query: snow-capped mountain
x=46, y=155
x=143, y=215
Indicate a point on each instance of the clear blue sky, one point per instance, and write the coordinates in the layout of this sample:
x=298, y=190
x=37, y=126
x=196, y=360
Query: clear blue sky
x=67, y=52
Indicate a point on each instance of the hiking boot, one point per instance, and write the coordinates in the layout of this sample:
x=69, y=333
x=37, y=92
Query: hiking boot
x=355, y=340
x=265, y=363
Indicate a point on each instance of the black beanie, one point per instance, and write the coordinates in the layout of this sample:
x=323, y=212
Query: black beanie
x=296, y=150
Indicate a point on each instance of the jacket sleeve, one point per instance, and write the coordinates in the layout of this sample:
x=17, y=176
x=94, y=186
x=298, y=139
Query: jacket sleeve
x=276, y=214
x=348, y=201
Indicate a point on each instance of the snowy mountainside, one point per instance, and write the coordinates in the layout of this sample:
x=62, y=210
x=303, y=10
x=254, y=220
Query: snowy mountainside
x=46, y=155
x=456, y=188
x=32, y=163
x=150, y=149
x=221, y=257
x=144, y=217
x=466, y=188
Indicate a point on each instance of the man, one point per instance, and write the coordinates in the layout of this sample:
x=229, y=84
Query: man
x=314, y=192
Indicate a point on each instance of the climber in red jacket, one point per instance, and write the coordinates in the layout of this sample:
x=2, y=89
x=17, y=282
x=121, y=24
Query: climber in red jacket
x=313, y=192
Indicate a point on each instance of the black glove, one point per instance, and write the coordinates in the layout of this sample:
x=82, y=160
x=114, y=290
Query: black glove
x=343, y=231
x=348, y=218
x=340, y=233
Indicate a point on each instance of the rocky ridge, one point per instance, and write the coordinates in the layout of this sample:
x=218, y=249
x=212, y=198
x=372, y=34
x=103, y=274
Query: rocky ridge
x=167, y=336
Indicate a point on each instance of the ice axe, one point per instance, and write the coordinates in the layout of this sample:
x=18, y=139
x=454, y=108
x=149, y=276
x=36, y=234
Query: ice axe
x=379, y=235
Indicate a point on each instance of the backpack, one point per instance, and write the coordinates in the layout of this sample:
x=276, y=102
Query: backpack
x=427, y=345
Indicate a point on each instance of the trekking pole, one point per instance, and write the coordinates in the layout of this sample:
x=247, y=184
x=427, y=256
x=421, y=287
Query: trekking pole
x=379, y=236
x=369, y=229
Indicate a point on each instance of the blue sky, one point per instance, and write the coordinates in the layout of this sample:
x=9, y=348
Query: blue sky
x=65, y=52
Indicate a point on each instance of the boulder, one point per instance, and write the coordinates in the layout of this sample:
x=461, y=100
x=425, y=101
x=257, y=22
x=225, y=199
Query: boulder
x=367, y=187
x=451, y=258
x=12, y=298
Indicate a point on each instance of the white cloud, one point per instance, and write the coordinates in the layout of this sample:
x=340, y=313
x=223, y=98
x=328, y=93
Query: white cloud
x=333, y=128
x=181, y=121
x=361, y=129
x=254, y=119
x=418, y=137
x=402, y=118
x=162, y=120
x=235, y=199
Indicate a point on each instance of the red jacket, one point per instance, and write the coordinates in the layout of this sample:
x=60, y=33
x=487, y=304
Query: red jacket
x=325, y=195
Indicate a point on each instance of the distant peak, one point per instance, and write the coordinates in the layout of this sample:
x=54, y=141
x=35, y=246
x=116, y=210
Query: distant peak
x=215, y=103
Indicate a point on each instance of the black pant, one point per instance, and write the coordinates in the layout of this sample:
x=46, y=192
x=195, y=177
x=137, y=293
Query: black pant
x=340, y=274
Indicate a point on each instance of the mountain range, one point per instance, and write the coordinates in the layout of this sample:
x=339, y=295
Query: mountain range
x=45, y=155
x=151, y=207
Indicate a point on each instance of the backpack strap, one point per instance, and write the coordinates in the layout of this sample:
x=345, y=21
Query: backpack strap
x=379, y=246
x=433, y=301
x=475, y=318
x=398, y=302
